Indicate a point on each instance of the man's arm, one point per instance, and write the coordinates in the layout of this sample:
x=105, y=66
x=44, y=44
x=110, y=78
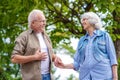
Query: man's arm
x=53, y=57
x=20, y=59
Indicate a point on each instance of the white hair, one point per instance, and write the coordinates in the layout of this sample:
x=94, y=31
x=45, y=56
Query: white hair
x=93, y=19
x=33, y=15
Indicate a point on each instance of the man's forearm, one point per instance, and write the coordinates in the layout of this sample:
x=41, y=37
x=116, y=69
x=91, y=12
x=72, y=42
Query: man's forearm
x=53, y=57
x=22, y=59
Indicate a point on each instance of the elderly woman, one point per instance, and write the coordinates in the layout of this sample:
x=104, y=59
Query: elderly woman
x=33, y=49
x=95, y=57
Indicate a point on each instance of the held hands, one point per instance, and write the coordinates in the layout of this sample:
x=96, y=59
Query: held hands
x=40, y=55
x=58, y=62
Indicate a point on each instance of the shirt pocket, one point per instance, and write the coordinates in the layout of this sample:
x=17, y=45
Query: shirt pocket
x=101, y=46
x=31, y=50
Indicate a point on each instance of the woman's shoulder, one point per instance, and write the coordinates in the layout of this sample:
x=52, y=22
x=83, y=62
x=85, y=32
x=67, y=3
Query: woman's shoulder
x=82, y=38
x=105, y=34
x=102, y=32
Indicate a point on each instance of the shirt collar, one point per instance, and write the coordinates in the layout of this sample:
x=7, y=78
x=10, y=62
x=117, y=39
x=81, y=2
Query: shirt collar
x=32, y=31
x=95, y=32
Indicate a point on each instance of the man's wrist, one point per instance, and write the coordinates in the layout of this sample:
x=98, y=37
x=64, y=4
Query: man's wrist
x=53, y=58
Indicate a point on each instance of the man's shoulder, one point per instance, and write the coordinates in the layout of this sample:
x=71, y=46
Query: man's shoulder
x=26, y=32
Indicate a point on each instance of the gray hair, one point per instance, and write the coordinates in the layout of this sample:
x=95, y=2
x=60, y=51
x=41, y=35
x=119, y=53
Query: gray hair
x=33, y=15
x=93, y=19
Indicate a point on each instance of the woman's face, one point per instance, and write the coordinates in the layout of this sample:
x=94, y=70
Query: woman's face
x=39, y=24
x=85, y=23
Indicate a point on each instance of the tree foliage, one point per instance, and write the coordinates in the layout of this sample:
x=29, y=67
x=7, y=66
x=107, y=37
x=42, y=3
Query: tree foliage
x=63, y=23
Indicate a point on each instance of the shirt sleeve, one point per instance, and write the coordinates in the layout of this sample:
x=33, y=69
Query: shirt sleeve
x=76, y=57
x=76, y=62
x=20, y=45
x=111, y=50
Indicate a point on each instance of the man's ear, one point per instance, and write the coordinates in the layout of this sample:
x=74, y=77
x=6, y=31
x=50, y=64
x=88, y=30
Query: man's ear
x=33, y=23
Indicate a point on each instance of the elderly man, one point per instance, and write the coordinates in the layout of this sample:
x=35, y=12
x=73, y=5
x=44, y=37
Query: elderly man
x=33, y=49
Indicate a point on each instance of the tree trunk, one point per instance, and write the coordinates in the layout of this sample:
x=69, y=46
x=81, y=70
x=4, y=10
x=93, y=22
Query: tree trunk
x=117, y=47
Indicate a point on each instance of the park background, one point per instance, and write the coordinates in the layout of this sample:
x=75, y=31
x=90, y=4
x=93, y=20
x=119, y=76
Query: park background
x=63, y=27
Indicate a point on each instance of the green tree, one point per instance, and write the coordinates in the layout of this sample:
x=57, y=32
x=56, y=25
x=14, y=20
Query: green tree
x=63, y=23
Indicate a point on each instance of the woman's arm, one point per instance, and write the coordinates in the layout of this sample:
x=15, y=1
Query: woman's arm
x=68, y=66
x=58, y=63
x=114, y=71
x=112, y=55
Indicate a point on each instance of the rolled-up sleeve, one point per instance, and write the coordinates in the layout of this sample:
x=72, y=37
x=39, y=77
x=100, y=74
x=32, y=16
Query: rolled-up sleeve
x=76, y=57
x=19, y=47
x=111, y=50
x=76, y=62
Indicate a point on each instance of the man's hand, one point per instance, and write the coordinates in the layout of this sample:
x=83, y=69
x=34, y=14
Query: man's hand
x=40, y=55
x=58, y=62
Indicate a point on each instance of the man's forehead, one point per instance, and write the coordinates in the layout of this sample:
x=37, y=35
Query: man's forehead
x=40, y=16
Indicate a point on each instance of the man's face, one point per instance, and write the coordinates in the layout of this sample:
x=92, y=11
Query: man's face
x=39, y=24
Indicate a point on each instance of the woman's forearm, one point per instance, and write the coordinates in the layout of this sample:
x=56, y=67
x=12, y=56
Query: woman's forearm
x=68, y=66
x=114, y=72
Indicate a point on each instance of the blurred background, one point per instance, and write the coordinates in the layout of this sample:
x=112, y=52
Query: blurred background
x=63, y=27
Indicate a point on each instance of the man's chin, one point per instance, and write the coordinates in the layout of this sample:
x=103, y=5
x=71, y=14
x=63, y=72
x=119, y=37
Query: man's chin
x=41, y=31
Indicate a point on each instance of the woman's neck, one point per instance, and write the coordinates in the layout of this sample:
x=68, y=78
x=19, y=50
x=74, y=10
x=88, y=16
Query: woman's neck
x=90, y=31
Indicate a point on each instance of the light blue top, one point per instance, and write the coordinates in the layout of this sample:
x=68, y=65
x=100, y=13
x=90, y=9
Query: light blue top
x=94, y=56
